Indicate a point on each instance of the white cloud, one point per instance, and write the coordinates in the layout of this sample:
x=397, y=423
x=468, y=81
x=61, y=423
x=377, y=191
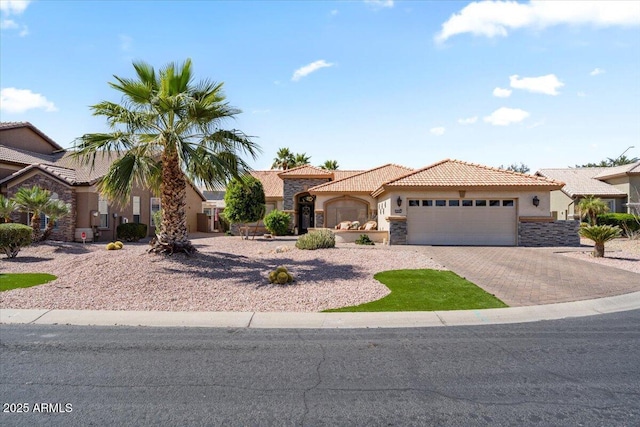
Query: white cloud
x=544, y=84
x=437, y=131
x=505, y=116
x=497, y=18
x=468, y=121
x=380, y=4
x=334, y=12
x=8, y=24
x=536, y=124
x=597, y=71
x=14, y=100
x=310, y=68
x=13, y=7
x=126, y=42
x=502, y=93
x=582, y=94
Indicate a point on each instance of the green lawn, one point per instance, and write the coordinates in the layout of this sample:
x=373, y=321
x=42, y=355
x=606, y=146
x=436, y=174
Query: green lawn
x=10, y=281
x=426, y=290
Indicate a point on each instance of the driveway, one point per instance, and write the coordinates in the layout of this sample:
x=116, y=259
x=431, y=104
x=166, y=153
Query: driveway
x=532, y=276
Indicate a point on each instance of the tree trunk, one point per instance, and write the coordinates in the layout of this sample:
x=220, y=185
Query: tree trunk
x=35, y=224
x=598, y=250
x=173, y=200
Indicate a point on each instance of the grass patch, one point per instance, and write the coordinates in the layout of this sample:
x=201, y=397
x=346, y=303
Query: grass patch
x=11, y=281
x=426, y=290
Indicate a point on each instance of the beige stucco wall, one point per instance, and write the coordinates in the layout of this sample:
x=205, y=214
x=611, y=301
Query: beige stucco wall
x=25, y=139
x=561, y=203
x=7, y=169
x=630, y=185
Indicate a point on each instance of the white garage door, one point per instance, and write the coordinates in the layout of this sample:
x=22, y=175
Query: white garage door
x=490, y=222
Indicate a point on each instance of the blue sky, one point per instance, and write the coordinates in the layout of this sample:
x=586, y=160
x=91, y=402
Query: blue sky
x=550, y=84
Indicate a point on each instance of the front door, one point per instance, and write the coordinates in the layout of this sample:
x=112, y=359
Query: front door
x=306, y=205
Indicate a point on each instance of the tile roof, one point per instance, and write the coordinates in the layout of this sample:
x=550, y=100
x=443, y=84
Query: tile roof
x=456, y=173
x=630, y=169
x=64, y=174
x=16, y=125
x=341, y=174
x=272, y=183
x=306, y=170
x=581, y=181
x=24, y=157
x=364, y=182
x=86, y=173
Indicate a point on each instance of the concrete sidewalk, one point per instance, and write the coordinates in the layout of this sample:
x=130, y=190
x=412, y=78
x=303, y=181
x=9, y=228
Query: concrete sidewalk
x=324, y=320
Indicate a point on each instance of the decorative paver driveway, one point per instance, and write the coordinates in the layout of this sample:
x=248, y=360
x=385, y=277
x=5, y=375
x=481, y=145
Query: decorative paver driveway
x=531, y=276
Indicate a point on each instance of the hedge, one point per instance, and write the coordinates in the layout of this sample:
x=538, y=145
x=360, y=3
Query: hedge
x=131, y=232
x=622, y=220
x=13, y=237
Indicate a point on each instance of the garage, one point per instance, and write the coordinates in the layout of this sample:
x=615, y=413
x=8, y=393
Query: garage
x=473, y=222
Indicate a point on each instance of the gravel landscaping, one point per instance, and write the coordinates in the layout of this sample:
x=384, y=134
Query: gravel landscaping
x=619, y=253
x=227, y=274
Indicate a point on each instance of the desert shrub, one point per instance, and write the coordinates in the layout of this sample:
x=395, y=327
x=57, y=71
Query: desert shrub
x=277, y=222
x=131, y=232
x=316, y=239
x=364, y=239
x=622, y=220
x=13, y=237
x=280, y=276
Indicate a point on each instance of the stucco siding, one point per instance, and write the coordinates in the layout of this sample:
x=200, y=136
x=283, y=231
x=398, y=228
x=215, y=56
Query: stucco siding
x=25, y=139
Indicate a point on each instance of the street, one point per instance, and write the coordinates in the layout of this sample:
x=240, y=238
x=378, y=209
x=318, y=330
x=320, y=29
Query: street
x=582, y=371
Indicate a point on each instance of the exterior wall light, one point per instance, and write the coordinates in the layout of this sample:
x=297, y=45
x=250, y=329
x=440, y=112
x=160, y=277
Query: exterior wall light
x=399, y=201
x=536, y=201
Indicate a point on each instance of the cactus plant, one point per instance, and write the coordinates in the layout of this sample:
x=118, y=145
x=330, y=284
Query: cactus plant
x=111, y=246
x=280, y=276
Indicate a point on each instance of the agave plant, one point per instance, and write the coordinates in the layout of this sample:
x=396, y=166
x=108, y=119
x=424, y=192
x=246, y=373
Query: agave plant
x=600, y=234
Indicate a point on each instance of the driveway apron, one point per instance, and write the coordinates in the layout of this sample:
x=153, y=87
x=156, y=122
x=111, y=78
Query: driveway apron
x=532, y=276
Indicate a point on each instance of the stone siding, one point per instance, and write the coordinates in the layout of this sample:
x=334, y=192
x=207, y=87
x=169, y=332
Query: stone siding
x=397, y=232
x=294, y=186
x=556, y=233
x=319, y=220
x=66, y=225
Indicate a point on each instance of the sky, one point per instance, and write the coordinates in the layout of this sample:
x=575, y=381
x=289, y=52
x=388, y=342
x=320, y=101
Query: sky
x=365, y=83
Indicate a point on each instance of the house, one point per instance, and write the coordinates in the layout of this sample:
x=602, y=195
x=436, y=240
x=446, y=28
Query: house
x=450, y=202
x=618, y=186
x=28, y=157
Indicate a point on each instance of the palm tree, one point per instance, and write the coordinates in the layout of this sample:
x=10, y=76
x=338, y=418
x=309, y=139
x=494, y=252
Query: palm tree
x=590, y=207
x=7, y=207
x=33, y=200
x=301, y=159
x=167, y=129
x=284, y=159
x=55, y=210
x=600, y=234
x=330, y=165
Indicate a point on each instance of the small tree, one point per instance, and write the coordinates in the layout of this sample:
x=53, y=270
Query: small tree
x=600, y=234
x=13, y=237
x=55, y=210
x=590, y=207
x=33, y=200
x=244, y=200
x=330, y=165
x=7, y=207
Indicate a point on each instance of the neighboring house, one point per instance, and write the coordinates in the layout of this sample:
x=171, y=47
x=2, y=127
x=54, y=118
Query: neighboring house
x=617, y=186
x=448, y=203
x=28, y=157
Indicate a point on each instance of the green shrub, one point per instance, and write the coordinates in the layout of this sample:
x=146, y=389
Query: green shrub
x=622, y=220
x=13, y=237
x=277, y=222
x=316, y=239
x=364, y=240
x=280, y=276
x=131, y=232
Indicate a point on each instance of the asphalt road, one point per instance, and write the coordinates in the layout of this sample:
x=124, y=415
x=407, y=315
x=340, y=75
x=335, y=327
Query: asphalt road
x=582, y=371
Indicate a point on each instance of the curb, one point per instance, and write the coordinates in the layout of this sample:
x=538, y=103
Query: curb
x=408, y=319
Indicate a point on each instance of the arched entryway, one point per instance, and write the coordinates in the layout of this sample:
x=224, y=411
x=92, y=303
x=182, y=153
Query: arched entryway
x=305, y=206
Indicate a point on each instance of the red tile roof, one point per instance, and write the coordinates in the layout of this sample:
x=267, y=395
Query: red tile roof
x=306, y=171
x=272, y=183
x=364, y=182
x=455, y=173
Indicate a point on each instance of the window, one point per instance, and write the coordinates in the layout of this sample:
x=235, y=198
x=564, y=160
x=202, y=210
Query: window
x=136, y=209
x=441, y=203
x=414, y=202
x=427, y=203
x=481, y=203
x=207, y=211
x=155, y=207
x=494, y=202
x=454, y=202
x=508, y=203
x=103, y=209
x=467, y=203
x=346, y=210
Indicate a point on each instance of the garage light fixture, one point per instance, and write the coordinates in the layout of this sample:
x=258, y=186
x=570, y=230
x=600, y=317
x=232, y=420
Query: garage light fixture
x=399, y=201
x=536, y=201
